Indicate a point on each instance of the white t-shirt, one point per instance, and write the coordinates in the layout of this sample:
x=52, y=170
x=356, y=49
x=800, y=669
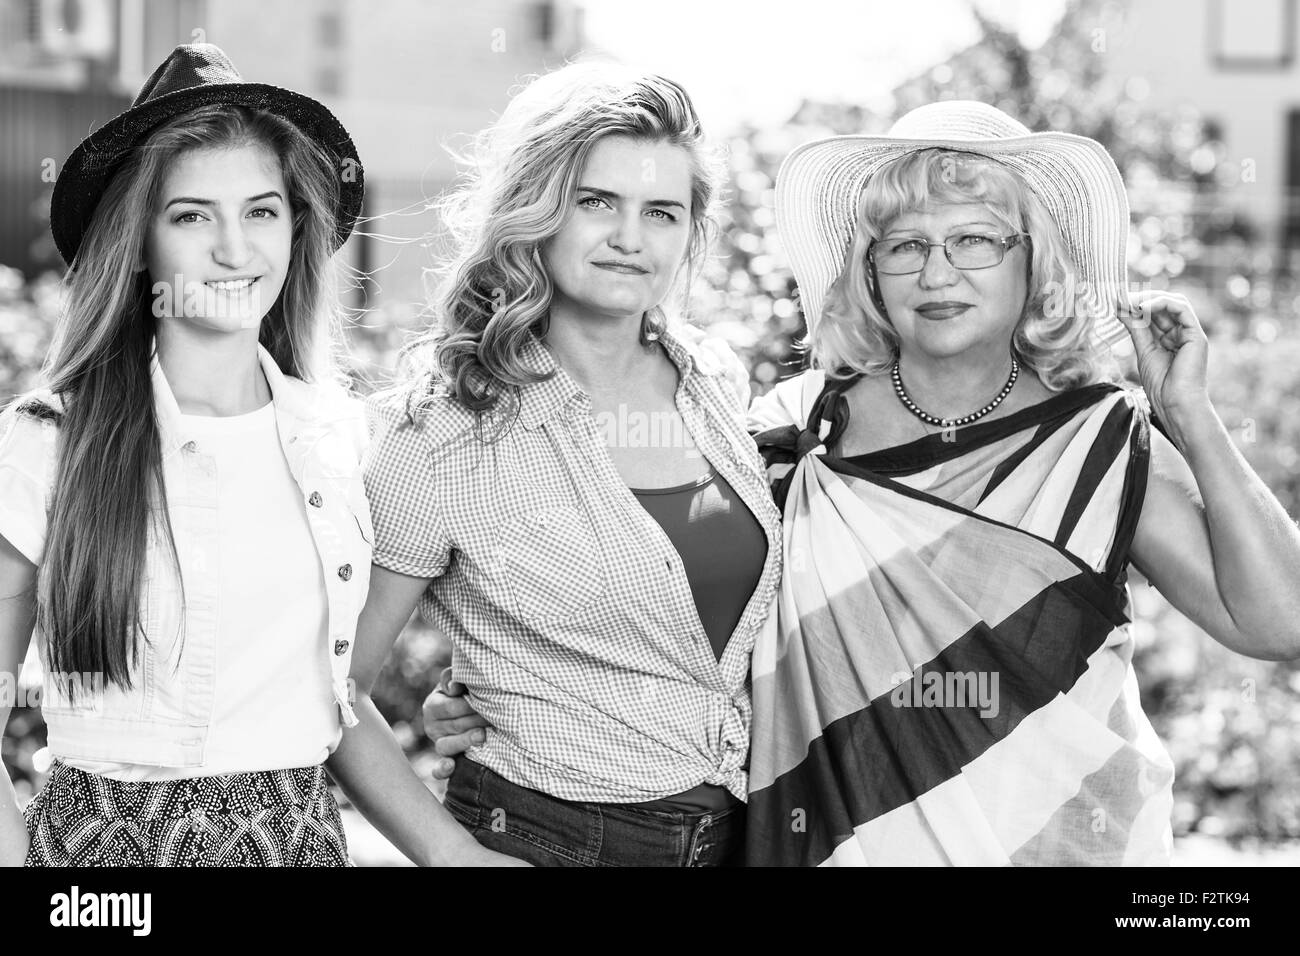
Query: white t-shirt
x=274, y=705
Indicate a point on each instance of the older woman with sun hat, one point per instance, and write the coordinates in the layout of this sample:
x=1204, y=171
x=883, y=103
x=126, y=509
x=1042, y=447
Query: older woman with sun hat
x=948, y=677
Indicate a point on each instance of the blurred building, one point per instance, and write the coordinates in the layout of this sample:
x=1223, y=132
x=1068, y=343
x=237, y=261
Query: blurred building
x=1235, y=62
x=407, y=77
x=1232, y=64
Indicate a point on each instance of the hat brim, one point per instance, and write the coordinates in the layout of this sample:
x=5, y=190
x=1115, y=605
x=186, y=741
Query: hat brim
x=820, y=184
x=87, y=172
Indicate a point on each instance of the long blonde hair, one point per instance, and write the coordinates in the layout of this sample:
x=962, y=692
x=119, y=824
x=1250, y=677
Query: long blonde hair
x=108, y=490
x=518, y=190
x=854, y=335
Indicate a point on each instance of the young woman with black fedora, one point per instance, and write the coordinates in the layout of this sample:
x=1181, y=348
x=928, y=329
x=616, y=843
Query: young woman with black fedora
x=182, y=517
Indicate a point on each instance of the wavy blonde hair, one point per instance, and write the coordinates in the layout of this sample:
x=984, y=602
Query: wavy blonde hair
x=1052, y=337
x=517, y=191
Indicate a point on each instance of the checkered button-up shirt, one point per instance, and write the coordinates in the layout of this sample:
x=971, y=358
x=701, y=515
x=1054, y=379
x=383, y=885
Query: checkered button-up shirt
x=571, y=618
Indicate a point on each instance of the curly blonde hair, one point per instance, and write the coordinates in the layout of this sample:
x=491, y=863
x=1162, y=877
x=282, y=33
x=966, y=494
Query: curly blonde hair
x=1053, y=338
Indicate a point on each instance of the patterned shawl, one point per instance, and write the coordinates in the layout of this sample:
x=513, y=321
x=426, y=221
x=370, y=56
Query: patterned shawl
x=948, y=679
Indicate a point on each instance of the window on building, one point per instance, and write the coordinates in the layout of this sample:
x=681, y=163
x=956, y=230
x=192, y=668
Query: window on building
x=329, y=34
x=32, y=20
x=555, y=25
x=1252, y=34
x=1291, y=226
x=75, y=27
x=543, y=17
x=330, y=29
x=328, y=82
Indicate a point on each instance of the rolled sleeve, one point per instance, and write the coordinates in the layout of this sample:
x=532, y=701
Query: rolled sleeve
x=27, y=450
x=410, y=535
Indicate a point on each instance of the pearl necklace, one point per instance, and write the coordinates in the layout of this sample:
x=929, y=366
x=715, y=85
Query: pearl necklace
x=952, y=422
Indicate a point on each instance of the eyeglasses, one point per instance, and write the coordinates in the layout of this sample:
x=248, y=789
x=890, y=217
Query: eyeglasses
x=902, y=257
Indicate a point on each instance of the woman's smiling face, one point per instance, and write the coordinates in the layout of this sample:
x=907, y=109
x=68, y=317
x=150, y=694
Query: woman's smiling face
x=943, y=311
x=218, y=246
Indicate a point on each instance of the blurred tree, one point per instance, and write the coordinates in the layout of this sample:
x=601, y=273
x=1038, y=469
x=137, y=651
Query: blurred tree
x=26, y=325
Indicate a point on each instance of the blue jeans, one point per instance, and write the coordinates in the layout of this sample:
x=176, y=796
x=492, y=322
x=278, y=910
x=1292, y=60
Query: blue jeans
x=548, y=831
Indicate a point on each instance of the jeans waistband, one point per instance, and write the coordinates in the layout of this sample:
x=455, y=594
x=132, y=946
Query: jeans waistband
x=544, y=829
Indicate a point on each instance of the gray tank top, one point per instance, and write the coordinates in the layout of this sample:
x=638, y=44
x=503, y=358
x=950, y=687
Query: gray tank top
x=721, y=544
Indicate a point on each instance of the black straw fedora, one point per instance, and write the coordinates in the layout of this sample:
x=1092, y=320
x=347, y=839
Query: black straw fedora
x=193, y=75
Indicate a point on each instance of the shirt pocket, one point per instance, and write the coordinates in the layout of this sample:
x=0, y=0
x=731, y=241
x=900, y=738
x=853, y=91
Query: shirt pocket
x=552, y=564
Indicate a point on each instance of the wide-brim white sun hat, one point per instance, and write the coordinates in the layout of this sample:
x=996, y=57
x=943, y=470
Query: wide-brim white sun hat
x=820, y=184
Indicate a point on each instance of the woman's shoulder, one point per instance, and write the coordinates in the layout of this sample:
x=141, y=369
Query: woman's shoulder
x=29, y=428
x=327, y=399
x=28, y=436
x=1103, y=397
x=1135, y=397
x=714, y=358
x=788, y=402
x=32, y=418
x=328, y=405
x=40, y=404
x=421, y=407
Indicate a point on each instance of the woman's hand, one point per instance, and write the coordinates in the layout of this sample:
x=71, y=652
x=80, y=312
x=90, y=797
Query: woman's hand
x=451, y=723
x=1172, y=354
x=1211, y=537
x=14, y=839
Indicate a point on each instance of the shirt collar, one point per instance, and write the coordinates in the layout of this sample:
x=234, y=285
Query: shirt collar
x=545, y=400
x=172, y=431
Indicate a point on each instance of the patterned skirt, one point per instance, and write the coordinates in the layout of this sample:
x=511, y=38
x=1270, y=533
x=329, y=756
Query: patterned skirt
x=266, y=818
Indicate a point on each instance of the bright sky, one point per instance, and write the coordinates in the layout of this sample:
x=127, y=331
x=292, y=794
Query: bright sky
x=757, y=59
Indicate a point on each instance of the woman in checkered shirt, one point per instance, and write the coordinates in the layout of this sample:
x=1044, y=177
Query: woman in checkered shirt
x=568, y=492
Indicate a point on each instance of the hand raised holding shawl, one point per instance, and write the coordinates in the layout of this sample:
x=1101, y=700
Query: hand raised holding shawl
x=1172, y=353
